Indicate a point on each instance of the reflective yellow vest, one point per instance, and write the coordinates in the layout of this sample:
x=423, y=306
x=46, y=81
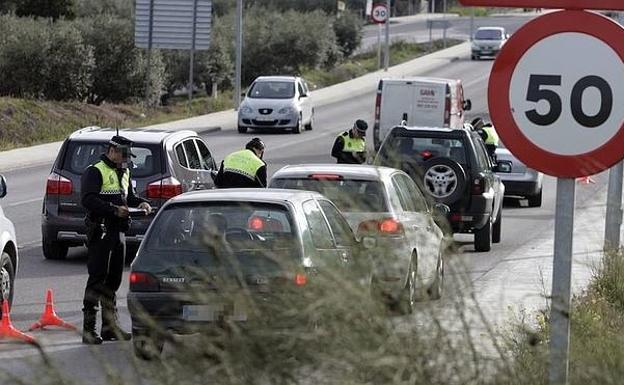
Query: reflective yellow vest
x=110, y=182
x=492, y=136
x=243, y=162
x=353, y=144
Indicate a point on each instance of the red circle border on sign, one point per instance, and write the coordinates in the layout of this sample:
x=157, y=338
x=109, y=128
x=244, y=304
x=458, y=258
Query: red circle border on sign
x=381, y=5
x=564, y=166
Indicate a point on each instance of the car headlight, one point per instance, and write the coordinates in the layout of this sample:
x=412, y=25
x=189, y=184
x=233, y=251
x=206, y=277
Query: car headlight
x=285, y=110
x=475, y=46
x=246, y=110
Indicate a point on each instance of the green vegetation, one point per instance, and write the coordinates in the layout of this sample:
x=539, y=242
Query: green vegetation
x=361, y=64
x=467, y=11
x=596, y=339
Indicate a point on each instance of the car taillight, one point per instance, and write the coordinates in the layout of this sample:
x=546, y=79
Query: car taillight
x=447, y=112
x=478, y=186
x=140, y=281
x=388, y=226
x=164, y=189
x=301, y=279
x=377, y=106
x=58, y=185
x=325, y=176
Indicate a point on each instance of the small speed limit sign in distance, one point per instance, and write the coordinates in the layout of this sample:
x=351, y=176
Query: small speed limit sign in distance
x=379, y=13
x=556, y=94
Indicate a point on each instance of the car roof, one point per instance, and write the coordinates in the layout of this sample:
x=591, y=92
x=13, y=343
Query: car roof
x=426, y=129
x=423, y=79
x=349, y=171
x=495, y=28
x=261, y=195
x=142, y=135
x=275, y=78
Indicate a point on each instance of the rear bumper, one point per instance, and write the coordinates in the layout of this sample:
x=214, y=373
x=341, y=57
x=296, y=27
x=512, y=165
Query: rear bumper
x=526, y=184
x=72, y=230
x=477, y=215
x=485, y=52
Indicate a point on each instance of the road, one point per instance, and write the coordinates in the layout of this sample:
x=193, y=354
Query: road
x=521, y=226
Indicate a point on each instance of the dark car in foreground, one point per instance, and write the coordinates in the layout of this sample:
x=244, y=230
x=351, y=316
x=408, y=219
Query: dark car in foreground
x=214, y=256
x=167, y=163
x=453, y=167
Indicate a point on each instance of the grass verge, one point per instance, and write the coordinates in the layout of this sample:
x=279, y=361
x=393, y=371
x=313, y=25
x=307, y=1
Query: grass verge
x=27, y=122
x=596, y=339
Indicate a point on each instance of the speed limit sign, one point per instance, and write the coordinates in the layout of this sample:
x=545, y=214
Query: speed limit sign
x=379, y=13
x=556, y=94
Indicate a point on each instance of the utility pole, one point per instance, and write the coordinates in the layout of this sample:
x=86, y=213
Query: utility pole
x=387, y=53
x=239, y=53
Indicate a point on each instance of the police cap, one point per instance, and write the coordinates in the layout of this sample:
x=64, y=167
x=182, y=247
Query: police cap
x=361, y=126
x=122, y=143
x=256, y=143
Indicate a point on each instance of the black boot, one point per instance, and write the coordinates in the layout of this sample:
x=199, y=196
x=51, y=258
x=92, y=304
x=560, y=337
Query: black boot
x=111, y=329
x=89, y=334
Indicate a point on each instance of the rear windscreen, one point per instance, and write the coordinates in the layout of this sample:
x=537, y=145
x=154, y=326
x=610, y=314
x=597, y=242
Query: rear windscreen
x=398, y=149
x=348, y=195
x=489, y=34
x=80, y=155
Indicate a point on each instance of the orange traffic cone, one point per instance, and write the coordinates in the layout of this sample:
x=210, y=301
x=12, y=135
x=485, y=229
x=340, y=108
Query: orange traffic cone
x=49, y=317
x=7, y=330
x=586, y=180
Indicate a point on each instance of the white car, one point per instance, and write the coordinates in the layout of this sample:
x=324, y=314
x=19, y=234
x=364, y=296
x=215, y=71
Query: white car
x=277, y=102
x=384, y=203
x=488, y=41
x=9, y=259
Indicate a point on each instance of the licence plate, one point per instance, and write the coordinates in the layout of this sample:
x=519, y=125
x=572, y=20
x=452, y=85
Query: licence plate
x=486, y=51
x=214, y=312
x=261, y=119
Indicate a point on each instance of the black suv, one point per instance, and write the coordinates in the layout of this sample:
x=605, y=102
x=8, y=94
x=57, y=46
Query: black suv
x=453, y=167
x=167, y=163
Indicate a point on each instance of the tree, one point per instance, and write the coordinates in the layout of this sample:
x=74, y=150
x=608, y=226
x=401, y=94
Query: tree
x=348, y=30
x=54, y=9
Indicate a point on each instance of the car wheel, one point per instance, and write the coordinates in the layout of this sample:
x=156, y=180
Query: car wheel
x=497, y=228
x=54, y=249
x=242, y=130
x=7, y=277
x=444, y=179
x=536, y=200
x=408, y=297
x=483, y=238
x=437, y=289
x=308, y=127
x=297, y=129
x=147, y=346
x=473, y=57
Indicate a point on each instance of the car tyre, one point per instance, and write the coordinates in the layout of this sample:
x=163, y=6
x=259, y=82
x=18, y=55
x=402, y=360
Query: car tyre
x=497, y=229
x=536, y=200
x=147, y=346
x=474, y=57
x=7, y=278
x=54, y=250
x=408, y=297
x=437, y=289
x=308, y=127
x=242, y=130
x=483, y=238
x=297, y=129
x=434, y=167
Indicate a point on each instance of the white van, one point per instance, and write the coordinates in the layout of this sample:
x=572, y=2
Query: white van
x=418, y=101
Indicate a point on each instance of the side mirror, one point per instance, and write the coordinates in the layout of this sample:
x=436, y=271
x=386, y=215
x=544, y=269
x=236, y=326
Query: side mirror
x=503, y=166
x=441, y=210
x=369, y=243
x=3, y=187
x=213, y=174
x=467, y=105
x=303, y=96
x=243, y=94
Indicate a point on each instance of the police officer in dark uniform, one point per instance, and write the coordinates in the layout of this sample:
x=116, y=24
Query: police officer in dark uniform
x=107, y=194
x=350, y=146
x=244, y=168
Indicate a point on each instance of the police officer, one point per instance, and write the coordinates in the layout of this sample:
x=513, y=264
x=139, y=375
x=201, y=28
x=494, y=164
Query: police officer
x=106, y=195
x=244, y=168
x=350, y=146
x=491, y=140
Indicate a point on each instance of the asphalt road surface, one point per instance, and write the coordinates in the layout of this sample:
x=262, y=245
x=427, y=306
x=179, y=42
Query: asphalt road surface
x=23, y=204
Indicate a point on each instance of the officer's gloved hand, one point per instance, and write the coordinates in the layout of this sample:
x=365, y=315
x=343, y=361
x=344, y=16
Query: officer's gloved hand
x=122, y=211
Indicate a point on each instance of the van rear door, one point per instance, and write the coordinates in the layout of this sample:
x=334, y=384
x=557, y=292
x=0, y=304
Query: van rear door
x=428, y=104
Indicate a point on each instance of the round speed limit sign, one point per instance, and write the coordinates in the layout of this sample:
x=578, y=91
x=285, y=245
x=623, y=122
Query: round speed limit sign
x=556, y=94
x=379, y=13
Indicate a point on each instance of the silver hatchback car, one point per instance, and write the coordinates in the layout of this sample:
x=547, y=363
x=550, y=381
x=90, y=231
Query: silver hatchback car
x=277, y=102
x=384, y=203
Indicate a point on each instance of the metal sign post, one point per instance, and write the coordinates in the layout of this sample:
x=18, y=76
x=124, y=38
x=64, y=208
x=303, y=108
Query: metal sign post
x=149, y=52
x=192, y=55
x=239, y=53
x=613, y=221
x=562, y=279
x=379, y=46
x=387, y=54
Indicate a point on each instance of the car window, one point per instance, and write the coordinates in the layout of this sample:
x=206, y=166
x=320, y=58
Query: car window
x=181, y=156
x=80, y=155
x=272, y=90
x=192, y=155
x=398, y=149
x=418, y=201
x=339, y=226
x=350, y=195
x=407, y=204
x=306, y=88
x=319, y=230
x=207, y=162
x=483, y=159
x=301, y=90
x=489, y=34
